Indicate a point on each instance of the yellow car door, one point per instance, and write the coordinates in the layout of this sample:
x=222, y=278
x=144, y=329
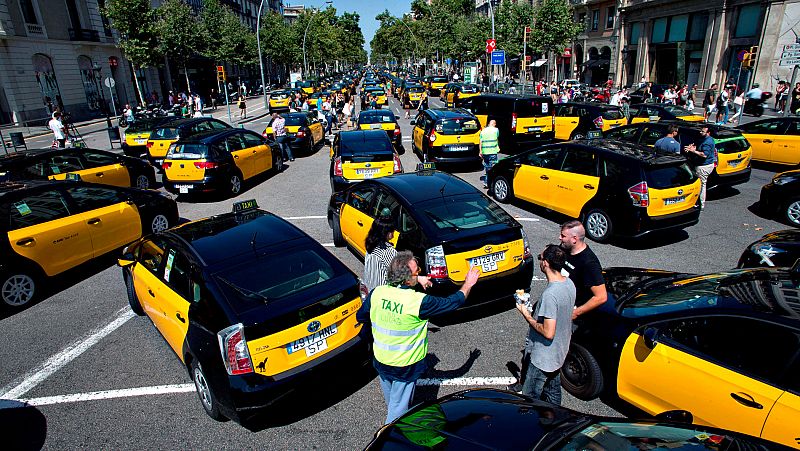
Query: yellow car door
x=105, y=169
x=786, y=144
x=639, y=114
x=173, y=297
x=41, y=229
x=355, y=221
x=576, y=183
x=533, y=178
x=112, y=220
x=261, y=152
x=782, y=422
x=566, y=121
x=146, y=282
x=243, y=157
x=762, y=136
x=317, y=130
x=417, y=134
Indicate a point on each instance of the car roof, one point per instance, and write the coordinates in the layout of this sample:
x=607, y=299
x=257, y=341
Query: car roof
x=207, y=137
x=23, y=155
x=380, y=112
x=635, y=151
x=516, y=97
x=601, y=106
x=228, y=235
x=417, y=187
x=180, y=122
x=717, y=131
x=448, y=113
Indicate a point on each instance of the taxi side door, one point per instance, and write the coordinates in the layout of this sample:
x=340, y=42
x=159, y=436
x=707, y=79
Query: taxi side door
x=261, y=152
x=418, y=133
x=150, y=257
x=317, y=130
x=762, y=136
x=782, y=423
x=42, y=228
x=354, y=217
x=715, y=367
x=786, y=143
x=386, y=205
x=112, y=218
x=532, y=178
x=243, y=158
x=577, y=181
x=566, y=121
x=105, y=169
x=173, y=297
x=639, y=114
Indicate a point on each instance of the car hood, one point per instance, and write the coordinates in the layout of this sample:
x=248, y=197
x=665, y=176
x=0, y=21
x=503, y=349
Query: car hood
x=781, y=236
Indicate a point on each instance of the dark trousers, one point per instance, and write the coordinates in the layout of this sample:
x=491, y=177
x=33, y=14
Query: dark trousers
x=543, y=385
x=283, y=144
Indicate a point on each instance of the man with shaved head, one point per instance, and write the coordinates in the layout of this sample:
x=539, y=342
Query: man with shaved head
x=583, y=268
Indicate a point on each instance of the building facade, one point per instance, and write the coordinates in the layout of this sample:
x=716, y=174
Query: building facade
x=592, y=51
x=58, y=53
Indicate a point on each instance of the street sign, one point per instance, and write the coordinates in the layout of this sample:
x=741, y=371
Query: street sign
x=741, y=55
x=491, y=45
x=790, y=62
x=498, y=58
x=448, y=61
x=790, y=54
x=109, y=82
x=527, y=58
x=527, y=29
x=791, y=47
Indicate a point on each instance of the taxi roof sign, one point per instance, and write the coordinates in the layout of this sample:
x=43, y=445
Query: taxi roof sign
x=72, y=176
x=426, y=167
x=245, y=205
x=594, y=134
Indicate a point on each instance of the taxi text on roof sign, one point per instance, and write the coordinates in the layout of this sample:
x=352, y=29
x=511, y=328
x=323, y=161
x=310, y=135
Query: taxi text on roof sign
x=426, y=167
x=245, y=205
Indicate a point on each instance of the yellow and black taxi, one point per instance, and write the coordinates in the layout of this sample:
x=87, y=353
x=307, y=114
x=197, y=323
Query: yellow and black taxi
x=53, y=226
x=279, y=100
x=376, y=92
x=781, y=197
x=733, y=149
x=460, y=92
x=219, y=161
x=308, y=86
x=170, y=132
x=250, y=304
x=574, y=120
x=447, y=223
x=381, y=120
x=134, y=143
x=651, y=112
x=315, y=97
x=775, y=140
x=446, y=136
x=412, y=94
x=722, y=347
x=304, y=130
x=483, y=418
x=437, y=83
x=613, y=187
x=447, y=88
x=91, y=165
x=523, y=121
x=362, y=154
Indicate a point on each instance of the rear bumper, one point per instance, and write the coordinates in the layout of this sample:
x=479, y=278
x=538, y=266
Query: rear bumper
x=730, y=179
x=278, y=108
x=638, y=223
x=469, y=156
x=490, y=288
x=525, y=141
x=211, y=183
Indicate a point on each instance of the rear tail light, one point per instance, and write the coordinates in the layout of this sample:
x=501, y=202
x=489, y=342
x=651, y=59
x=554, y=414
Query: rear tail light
x=398, y=167
x=166, y=165
x=640, y=195
x=301, y=133
x=149, y=144
x=598, y=121
x=436, y=263
x=513, y=122
x=205, y=164
x=526, y=245
x=397, y=132
x=432, y=137
x=337, y=167
x=233, y=347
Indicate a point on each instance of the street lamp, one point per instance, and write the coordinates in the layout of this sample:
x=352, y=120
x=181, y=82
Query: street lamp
x=260, y=56
x=305, y=62
x=413, y=36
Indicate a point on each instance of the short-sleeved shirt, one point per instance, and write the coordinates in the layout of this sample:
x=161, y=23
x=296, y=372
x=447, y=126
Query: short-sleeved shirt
x=556, y=302
x=585, y=272
x=57, y=127
x=669, y=144
x=708, y=147
x=279, y=126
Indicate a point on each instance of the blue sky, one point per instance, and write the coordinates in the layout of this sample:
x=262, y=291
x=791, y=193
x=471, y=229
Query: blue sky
x=366, y=9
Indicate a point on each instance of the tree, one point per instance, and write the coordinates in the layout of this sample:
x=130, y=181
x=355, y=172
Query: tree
x=226, y=39
x=179, y=33
x=134, y=20
x=555, y=27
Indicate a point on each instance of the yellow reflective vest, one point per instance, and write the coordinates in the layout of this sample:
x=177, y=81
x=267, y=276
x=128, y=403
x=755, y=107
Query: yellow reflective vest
x=400, y=336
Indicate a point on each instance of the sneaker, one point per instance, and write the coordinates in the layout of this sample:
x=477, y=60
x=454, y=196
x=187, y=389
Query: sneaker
x=516, y=387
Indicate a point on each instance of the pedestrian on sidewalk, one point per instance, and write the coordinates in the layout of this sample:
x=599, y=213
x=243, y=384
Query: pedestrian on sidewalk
x=781, y=92
x=59, y=131
x=242, y=108
x=690, y=98
x=214, y=99
x=738, y=105
x=710, y=101
x=490, y=147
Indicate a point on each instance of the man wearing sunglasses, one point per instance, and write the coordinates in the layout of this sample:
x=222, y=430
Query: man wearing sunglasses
x=399, y=317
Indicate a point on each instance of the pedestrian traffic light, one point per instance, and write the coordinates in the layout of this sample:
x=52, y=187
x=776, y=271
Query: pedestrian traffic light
x=221, y=74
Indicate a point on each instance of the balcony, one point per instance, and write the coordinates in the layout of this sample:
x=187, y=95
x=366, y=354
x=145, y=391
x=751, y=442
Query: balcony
x=82, y=34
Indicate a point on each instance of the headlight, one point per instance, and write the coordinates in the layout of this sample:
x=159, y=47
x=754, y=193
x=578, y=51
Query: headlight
x=766, y=252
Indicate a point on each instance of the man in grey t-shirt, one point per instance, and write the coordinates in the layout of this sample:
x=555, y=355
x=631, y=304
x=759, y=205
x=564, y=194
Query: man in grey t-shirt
x=550, y=329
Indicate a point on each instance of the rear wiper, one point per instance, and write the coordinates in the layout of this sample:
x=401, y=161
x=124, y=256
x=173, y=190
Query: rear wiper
x=244, y=291
x=436, y=218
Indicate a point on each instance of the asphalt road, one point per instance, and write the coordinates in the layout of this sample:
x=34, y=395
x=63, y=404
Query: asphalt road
x=103, y=379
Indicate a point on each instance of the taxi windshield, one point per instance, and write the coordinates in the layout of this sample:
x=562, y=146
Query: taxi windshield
x=462, y=212
x=611, y=435
x=188, y=152
x=458, y=126
x=676, y=111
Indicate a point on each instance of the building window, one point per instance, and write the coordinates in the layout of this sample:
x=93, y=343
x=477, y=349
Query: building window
x=611, y=11
x=697, y=32
x=659, y=30
x=106, y=25
x=28, y=13
x=595, y=19
x=582, y=18
x=677, y=28
x=46, y=78
x=747, y=22
x=636, y=31
x=90, y=82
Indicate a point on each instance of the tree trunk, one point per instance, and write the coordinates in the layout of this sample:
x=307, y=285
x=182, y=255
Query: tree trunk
x=186, y=74
x=138, y=87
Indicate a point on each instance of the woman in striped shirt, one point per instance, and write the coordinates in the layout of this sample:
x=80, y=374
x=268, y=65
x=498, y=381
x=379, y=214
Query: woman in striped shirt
x=380, y=252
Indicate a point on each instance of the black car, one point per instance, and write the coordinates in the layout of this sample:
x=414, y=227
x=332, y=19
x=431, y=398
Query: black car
x=781, y=197
x=250, y=304
x=305, y=131
x=723, y=347
x=485, y=419
x=780, y=248
x=656, y=93
x=96, y=166
x=447, y=223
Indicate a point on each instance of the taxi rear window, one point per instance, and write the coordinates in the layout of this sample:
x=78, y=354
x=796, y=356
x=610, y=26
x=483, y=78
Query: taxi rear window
x=279, y=95
x=532, y=108
x=463, y=212
x=469, y=89
x=376, y=119
x=165, y=133
x=188, y=152
x=139, y=126
x=459, y=126
x=612, y=114
x=676, y=111
x=416, y=89
x=672, y=176
x=439, y=80
x=294, y=120
x=732, y=146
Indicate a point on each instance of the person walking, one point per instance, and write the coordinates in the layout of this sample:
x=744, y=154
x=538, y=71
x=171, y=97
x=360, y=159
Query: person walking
x=738, y=106
x=242, y=108
x=279, y=131
x=550, y=329
x=690, y=98
x=723, y=109
x=58, y=129
x=399, y=317
x=626, y=108
x=582, y=267
x=794, y=106
x=706, y=150
x=780, y=96
x=710, y=101
x=668, y=142
x=214, y=99
x=347, y=111
x=490, y=147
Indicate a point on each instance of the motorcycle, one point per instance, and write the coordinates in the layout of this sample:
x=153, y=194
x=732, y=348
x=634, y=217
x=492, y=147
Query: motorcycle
x=755, y=107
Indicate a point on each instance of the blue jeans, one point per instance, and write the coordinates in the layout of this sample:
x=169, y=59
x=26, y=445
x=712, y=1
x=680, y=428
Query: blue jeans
x=397, y=395
x=542, y=385
x=488, y=162
x=283, y=144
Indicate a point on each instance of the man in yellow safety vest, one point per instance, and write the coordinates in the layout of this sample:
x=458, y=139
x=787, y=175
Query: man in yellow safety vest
x=399, y=317
x=490, y=147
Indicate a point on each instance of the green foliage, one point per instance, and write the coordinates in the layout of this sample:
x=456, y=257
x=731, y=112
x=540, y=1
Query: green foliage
x=510, y=21
x=555, y=26
x=329, y=37
x=224, y=36
x=135, y=22
x=179, y=31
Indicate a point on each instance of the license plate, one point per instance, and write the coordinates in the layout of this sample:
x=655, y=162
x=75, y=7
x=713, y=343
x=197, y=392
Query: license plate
x=313, y=343
x=674, y=200
x=141, y=140
x=534, y=129
x=613, y=125
x=158, y=162
x=459, y=148
x=183, y=189
x=367, y=173
x=734, y=163
x=488, y=262
x=375, y=126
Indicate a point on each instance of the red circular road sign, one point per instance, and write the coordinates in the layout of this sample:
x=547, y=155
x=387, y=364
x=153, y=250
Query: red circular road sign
x=491, y=45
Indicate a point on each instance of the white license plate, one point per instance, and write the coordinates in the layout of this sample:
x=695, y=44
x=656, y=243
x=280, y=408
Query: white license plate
x=183, y=189
x=534, y=129
x=488, y=262
x=158, y=162
x=459, y=148
x=367, y=173
x=734, y=163
x=375, y=126
x=613, y=125
x=674, y=200
x=140, y=140
x=313, y=343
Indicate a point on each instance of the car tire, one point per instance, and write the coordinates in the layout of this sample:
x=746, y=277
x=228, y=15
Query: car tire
x=207, y=398
x=598, y=225
x=133, y=300
x=142, y=181
x=502, y=190
x=19, y=286
x=581, y=375
x=338, y=238
x=235, y=183
x=791, y=212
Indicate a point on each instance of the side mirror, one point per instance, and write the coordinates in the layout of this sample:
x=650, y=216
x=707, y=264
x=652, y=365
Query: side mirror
x=651, y=335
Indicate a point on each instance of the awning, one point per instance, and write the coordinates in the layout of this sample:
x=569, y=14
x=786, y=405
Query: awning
x=538, y=63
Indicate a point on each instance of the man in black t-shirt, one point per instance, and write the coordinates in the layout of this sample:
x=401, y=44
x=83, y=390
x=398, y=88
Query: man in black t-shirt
x=583, y=268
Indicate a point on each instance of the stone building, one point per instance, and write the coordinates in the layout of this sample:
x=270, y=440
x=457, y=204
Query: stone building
x=593, y=49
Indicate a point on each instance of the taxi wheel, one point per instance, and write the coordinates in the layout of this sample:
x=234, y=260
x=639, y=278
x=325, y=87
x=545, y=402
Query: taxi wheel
x=502, y=190
x=133, y=300
x=235, y=183
x=278, y=165
x=18, y=287
x=792, y=212
x=581, y=375
x=207, y=398
x=142, y=181
x=598, y=225
x=338, y=238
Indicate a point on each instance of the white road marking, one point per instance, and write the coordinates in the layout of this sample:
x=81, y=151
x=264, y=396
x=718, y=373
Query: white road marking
x=328, y=245
x=67, y=355
x=292, y=218
x=187, y=388
x=527, y=219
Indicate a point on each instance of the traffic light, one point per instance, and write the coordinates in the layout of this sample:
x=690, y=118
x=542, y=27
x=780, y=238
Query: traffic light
x=749, y=60
x=221, y=74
